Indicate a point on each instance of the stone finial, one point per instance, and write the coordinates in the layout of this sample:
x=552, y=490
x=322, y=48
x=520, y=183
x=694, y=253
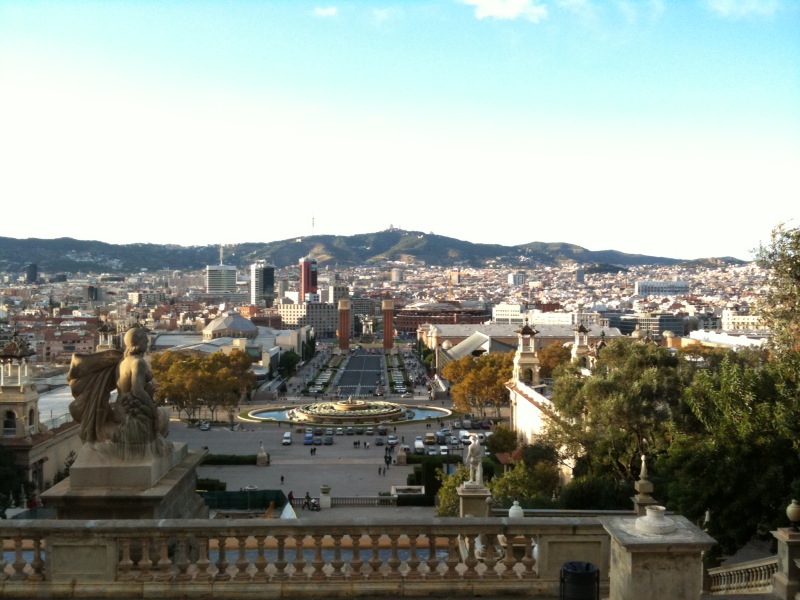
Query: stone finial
x=643, y=470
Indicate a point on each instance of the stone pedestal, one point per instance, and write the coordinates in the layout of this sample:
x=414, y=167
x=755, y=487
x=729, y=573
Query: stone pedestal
x=655, y=566
x=786, y=582
x=473, y=498
x=100, y=487
x=325, y=496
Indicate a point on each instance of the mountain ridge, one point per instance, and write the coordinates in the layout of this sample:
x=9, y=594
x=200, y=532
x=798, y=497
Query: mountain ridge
x=381, y=247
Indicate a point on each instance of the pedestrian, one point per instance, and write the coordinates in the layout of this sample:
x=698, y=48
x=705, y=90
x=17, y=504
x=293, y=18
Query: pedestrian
x=379, y=470
x=290, y=497
x=311, y=452
x=403, y=439
x=281, y=479
x=307, y=501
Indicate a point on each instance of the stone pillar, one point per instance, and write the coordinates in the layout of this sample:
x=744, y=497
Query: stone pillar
x=655, y=557
x=786, y=582
x=387, y=308
x=324, y=496
x=344, y=324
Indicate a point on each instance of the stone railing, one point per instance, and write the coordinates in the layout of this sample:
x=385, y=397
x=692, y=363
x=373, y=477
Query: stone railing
x=754, y=576
x=335, y=558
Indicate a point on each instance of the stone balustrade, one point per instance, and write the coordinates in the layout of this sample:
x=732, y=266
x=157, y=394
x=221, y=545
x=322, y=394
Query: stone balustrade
x=754, y=576
x=249, y=558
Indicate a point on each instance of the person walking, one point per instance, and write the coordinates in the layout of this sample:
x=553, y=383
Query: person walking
x=290, y=497
x=281, y=479
x=307, y=501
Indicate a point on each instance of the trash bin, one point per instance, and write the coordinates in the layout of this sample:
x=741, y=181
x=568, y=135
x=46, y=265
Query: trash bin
x=580, y=581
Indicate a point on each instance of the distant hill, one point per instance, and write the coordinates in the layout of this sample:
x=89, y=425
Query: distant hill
x=382, y=247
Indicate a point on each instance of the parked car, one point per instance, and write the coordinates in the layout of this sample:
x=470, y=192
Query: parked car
x=328, y=440
x=339, y=431
x=370, y=431
x=205, y=426
x=349, y=431
x=379, y=441
x=317, y=440
x=392, y=440
x=407, y=395
x=359, y=431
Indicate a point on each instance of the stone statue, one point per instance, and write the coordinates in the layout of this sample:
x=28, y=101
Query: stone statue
x=474, y=460
x=131, y=425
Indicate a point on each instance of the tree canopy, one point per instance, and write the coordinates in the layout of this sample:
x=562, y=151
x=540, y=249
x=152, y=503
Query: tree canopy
x=479, y=382
x=191, y=381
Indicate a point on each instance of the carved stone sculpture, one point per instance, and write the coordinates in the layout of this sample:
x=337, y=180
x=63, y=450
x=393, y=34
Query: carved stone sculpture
x=131, y=425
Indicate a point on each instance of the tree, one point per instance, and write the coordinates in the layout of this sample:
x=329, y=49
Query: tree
x=552, y=356
x=479, y=382
x=620, y=412
x=190, y=381
x=781, y=304
x=288, y=363
x=449, y=504
x=503, y=439
x=740, y=430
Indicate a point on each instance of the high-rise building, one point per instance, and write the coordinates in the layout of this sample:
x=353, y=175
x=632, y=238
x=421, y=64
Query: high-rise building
x=308, y=277
x=262, y=283
x=220, y=279
x=31, y=273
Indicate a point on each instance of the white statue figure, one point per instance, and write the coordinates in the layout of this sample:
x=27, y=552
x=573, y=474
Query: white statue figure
x=474, y=461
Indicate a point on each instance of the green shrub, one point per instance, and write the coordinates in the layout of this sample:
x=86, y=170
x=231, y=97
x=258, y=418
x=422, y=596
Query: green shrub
x=211, y=485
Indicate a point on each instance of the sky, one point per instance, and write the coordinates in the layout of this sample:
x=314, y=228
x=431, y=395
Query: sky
x=667, y=128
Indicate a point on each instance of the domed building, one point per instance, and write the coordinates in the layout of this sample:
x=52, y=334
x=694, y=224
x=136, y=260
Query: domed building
x=231, y=325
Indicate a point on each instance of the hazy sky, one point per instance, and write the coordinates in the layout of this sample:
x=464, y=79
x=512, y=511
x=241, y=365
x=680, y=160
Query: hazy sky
x=656, y=127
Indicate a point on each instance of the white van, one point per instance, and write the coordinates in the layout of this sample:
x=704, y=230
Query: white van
x=463, y=435
x=419, y=447
x=287, y=438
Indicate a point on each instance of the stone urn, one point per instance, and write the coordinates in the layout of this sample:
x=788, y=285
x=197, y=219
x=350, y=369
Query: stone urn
x=516, y=512
x=324, y=489
x=793, y=513
x=655, y=521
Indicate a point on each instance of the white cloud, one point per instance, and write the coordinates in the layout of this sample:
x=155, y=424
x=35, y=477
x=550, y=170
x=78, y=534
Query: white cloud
x=736, y=9
x=326, y=11
x=508, y=9
x=381, y=15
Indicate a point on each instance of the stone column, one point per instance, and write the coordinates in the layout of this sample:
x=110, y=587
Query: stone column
x=786, y=582
x=344, y=324
x=655, y=557
x=387, y=308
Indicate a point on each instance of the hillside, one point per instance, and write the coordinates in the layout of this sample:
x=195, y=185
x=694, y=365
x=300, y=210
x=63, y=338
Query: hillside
x=382, y=247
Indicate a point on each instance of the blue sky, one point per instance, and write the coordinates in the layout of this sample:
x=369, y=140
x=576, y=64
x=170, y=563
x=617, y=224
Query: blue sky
x=651, y=127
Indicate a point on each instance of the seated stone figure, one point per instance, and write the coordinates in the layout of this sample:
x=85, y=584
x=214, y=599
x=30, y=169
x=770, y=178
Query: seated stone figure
x=132, y=425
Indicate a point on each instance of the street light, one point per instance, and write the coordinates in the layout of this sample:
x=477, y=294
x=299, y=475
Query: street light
x=231, y=415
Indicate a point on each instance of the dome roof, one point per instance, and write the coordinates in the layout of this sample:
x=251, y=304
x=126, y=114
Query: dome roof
x=231, y=322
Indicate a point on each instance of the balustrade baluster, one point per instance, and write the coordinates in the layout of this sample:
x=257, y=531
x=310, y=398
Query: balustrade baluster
x=490, y=557
x=528, y=561
x=261, y=560
x=3, y=564
x=19, y=560
x=145, y=563
x=356, y=563
x=182, y=559
x=509, y=560
x=337, y=563
x=394, y=561
x=202, y=560
x=374, y=559
x=222, y=562
x=452, y=560
x=472, y=560
x=37, y=564
x=164, y=563
x=433, y=560
x=318, y=564
x=281, y=564
x=241, y=562
x=125, y=564
x=299, y=562
x=413, y=561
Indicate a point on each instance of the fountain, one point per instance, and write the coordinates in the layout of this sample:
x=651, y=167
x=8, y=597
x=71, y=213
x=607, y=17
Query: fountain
x=350, y=411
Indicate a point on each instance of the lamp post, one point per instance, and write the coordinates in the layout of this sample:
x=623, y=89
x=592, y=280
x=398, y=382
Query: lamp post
x=231, y=415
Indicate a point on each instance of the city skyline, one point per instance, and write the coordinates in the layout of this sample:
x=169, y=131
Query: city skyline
x=667, y=129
